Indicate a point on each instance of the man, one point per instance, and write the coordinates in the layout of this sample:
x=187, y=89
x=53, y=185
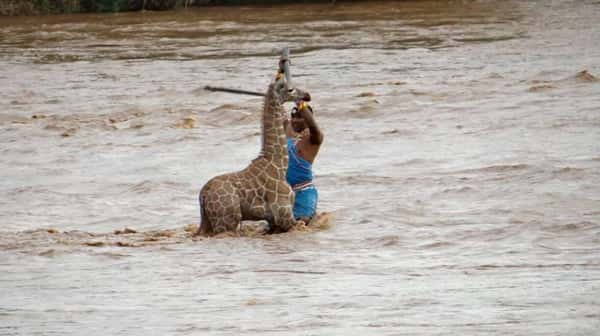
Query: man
x=304, y=138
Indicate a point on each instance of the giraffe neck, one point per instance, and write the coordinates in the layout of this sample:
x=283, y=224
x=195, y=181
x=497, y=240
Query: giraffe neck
x=274, y=145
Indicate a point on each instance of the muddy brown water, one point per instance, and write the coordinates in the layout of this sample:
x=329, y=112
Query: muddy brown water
x=460, y=171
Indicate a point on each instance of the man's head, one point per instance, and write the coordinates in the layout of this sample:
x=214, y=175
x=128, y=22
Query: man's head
x=298, y=123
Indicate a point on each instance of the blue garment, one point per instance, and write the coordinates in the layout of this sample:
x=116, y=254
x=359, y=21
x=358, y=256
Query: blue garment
x=299, y=176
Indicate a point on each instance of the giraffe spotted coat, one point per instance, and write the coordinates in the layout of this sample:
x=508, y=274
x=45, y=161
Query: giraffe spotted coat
x=260, y=191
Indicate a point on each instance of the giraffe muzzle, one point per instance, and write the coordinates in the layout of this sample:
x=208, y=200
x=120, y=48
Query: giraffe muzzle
x=306, y=97
x=299, y=95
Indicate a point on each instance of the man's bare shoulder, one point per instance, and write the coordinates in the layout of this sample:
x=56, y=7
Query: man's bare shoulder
x=307, y=149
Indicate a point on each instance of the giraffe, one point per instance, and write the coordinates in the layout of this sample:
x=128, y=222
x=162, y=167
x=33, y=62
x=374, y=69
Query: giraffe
x=260, y=191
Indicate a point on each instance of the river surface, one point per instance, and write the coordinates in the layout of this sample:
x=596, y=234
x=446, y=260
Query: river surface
x=459, y=179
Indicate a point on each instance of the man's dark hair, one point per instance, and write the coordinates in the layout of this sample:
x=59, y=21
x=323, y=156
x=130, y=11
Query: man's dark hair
x=295, y=109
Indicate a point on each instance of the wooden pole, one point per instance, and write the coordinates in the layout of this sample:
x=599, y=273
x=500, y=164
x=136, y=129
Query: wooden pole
x=284, y=67
x=222, y=89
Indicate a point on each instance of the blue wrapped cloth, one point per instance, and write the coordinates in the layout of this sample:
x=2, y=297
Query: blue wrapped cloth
x=300, y=177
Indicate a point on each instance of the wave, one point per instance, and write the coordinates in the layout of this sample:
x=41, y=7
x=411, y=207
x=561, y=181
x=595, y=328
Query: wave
x=581, y=77
x=499, y=168
x=568, y=171
x=147, y=186
x=50, y=241
x=573, y=227
x=585, y=77
x=459, y=190
x=487, y=39
x=383, y=241
x=235, y=114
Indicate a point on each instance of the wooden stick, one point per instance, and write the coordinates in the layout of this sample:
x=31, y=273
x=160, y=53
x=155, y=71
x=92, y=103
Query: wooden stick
x=284, y=67
x=222, y=89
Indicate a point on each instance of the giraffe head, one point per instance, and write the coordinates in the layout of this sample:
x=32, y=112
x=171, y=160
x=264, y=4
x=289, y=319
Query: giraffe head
x=285, y=93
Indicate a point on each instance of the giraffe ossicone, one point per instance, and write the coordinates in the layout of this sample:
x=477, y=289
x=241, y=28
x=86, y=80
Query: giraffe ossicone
x=259, y=192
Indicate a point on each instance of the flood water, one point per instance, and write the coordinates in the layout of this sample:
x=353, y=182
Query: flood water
x=460, y=171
